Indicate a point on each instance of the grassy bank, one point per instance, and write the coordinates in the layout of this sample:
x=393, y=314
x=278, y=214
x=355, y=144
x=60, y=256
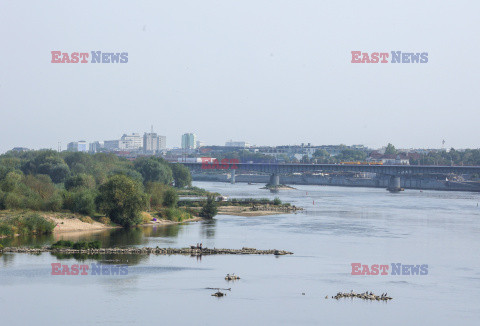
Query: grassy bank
x=175, y=214
x=26, y=223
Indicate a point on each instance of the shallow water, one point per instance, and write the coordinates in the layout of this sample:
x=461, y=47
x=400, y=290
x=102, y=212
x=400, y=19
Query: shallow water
x=339, y=226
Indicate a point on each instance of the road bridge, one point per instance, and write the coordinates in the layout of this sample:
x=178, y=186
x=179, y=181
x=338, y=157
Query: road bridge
x=394, y=171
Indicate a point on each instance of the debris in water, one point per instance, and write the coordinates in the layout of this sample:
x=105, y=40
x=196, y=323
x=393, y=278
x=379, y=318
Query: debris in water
x=232, y=277
x=365, y=296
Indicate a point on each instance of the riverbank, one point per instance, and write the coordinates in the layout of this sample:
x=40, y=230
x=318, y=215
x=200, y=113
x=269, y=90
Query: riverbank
x=149, y=250
x=75, y=223
x=260, y=210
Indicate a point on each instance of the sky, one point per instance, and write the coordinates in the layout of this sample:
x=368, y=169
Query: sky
x=270, y=72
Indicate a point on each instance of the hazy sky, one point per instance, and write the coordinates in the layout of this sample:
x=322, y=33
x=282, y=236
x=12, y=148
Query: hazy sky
x=267, y=72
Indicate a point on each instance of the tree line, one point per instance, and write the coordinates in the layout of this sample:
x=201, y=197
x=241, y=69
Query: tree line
x=103, y=183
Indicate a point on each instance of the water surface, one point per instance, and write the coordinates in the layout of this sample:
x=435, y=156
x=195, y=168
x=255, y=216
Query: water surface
x=339, y=226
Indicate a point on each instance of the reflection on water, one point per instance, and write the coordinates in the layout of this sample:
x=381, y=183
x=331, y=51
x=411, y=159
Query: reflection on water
x=208, y=228
x=339, y=226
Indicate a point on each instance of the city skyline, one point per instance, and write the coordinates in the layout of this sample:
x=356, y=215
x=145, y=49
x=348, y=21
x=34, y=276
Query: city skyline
x=283, y=78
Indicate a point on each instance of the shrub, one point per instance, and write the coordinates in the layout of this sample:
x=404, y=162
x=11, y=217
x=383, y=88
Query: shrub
x=62, y=244
x=146, y=218
x=209, y=210
x=104, y=220
x=80, y=245
x=86, y=219
x=277, y=201
x=38, y=224
x=170, y=198
x=94, y=244
x=6, y=229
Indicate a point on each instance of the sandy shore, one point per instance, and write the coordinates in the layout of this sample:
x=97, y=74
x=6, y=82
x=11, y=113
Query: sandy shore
x=72, y=223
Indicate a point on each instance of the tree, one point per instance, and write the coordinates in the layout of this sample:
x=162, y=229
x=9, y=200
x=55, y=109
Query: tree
x=170, y=198
x=154, y=170
x=80, y=181
x=181, y=175
x=209, y=210
x=122, y=200
x=390, y=150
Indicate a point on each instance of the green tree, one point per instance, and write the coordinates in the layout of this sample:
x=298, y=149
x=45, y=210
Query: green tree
x=80, y=181
x=181, y=175
x=122, y=200
x=156, y=192
x=209, y=210
x=170, y=198
x=154, y=170
x=390, y=150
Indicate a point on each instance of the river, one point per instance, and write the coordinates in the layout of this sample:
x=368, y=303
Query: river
x=339, y=226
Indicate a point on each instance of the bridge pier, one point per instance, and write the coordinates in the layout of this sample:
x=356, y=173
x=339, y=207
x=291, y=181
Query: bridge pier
x=232, y=180
x=394, y=184
x=274, y=179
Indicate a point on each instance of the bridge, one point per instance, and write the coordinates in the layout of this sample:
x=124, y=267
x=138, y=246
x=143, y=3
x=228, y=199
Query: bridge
x=394, y=171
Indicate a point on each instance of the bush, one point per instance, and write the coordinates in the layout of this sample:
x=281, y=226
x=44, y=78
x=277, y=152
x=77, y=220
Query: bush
x=105, y=220
x=277, y=201
x=170, y=198
x=176, y=214
x=94, y=244
x=38, y=224
x=86, y=219
x=156, y=191
x=80, y=245
x=6, y=229
x=62, y=244
x=209, y=210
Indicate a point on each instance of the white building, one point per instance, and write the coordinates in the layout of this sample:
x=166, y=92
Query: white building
x=77, y=146
x=131, y=142
x=241, y=144
x=152, y=143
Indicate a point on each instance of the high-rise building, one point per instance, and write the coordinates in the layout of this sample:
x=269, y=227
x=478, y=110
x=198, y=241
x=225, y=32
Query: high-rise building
x=131, y=142
x=153, y=143
x=189, y=141
x=111, y=145
x=95, y=146
x=162, y=142
x=77, y=146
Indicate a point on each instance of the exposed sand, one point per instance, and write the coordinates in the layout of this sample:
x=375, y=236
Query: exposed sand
x=72, y=223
